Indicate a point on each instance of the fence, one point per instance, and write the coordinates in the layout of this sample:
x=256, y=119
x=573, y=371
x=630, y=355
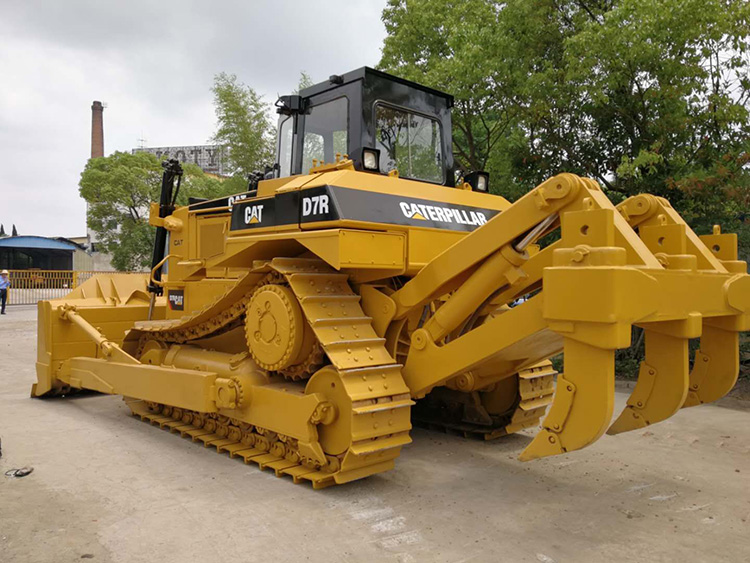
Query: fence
x=29, y=286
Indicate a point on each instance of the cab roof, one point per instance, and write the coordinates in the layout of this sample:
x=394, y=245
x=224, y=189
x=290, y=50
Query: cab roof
x=367, y=74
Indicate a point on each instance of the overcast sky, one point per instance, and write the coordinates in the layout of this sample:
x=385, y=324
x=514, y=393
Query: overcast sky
x=152, y=64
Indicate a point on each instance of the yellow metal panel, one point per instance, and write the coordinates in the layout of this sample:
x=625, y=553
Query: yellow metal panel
x=594, y=227
x=723, y=245
x=425, y=244
x=342, y=248
x=621, y=294
x=670, y=239
x=372, y=250
x=711, y=295
x=211, y=237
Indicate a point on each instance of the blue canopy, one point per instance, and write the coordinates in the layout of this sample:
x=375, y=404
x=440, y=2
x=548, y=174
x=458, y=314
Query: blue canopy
x=40, y=243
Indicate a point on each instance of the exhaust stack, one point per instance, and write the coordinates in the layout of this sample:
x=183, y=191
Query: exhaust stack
x=97, y=130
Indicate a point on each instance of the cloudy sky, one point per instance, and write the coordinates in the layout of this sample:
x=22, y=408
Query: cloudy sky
x=152, y=64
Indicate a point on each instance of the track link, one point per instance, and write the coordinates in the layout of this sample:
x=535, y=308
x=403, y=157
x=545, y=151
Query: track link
x=536, y=386
x=250, y=445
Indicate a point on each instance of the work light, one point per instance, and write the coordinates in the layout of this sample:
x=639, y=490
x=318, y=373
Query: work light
x=479, y=181
x=371, y=159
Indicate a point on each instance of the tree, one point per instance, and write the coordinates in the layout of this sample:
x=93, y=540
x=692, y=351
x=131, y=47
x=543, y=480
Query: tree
x=666, y=88
x=455, y=46
x=642, y=95
x=119, y=189
x=244, y=128
x=14, y=232
x=2, y=230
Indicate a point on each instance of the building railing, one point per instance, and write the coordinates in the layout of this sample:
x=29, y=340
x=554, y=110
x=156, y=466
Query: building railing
x=27, y=287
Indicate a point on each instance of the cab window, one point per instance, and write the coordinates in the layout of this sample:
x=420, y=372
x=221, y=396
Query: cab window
x=408, y=142
x=326, y=132
x=285, y=147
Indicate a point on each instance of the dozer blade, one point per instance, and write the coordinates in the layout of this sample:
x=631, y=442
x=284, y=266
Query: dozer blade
x=662, y=383
x=716, y=366
x=583, y=403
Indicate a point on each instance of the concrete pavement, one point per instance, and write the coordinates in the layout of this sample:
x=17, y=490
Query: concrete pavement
x=108, y=487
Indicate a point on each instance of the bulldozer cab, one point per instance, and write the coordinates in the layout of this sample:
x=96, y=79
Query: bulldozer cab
x=383, y=123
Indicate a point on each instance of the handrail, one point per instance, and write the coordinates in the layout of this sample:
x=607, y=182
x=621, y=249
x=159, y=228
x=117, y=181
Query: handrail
x=159, y=265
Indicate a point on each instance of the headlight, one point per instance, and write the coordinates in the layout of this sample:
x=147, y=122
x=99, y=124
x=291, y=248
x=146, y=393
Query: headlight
x=482, y=184
x=479, y=181
x=371, y=159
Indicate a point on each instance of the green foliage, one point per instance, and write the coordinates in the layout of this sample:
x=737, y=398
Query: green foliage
x=643, y=95
x=120, y=187
x=118, y=190
x=454, y=46
x=244, y=128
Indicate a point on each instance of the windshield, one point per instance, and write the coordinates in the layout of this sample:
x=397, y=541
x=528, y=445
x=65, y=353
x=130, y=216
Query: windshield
x=408, y=142
x=325, y=133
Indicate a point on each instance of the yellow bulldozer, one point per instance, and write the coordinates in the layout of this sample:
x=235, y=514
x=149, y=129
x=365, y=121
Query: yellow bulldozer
x=358, y=287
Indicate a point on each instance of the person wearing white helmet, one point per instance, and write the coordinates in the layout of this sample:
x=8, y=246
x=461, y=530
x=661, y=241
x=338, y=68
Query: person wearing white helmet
x=4, y=285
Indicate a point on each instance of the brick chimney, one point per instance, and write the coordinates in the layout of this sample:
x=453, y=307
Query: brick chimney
x=97, y=130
